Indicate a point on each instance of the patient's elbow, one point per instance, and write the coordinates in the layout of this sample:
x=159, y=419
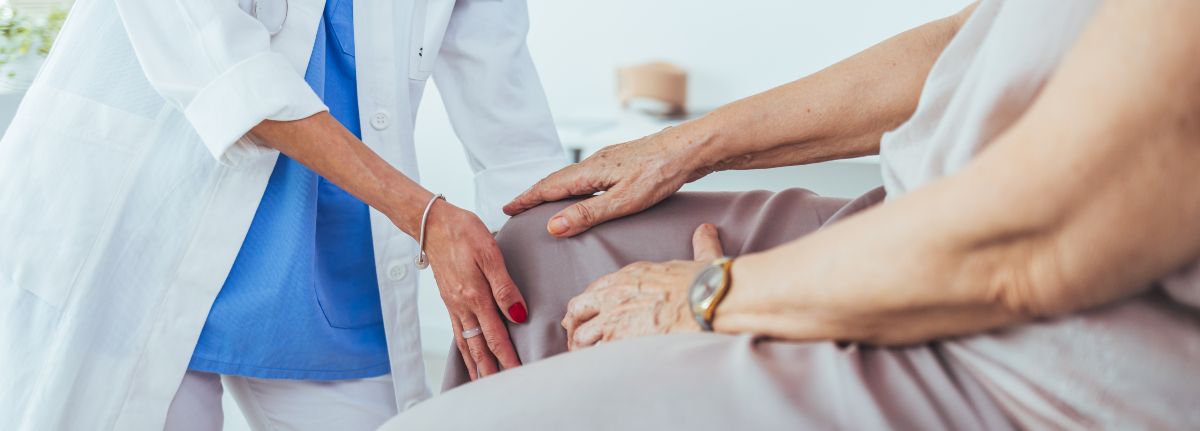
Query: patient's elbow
x=1031, y=283
x=1013, y=292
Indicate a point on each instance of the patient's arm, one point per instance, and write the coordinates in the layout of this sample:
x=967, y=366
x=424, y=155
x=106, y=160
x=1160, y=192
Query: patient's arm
x=839, y=112
x=836, y=113
x=1087, y=199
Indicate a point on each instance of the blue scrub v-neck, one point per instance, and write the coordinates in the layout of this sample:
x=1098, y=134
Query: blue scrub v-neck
x=302, y=301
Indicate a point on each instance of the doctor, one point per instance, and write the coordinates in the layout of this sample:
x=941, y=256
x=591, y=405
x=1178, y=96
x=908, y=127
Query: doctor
x=197, y=197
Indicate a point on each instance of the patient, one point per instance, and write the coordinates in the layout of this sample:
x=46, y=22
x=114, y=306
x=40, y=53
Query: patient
x=1029, y=263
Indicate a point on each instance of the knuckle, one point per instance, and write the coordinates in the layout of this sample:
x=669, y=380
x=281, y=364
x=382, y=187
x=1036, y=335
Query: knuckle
x=638, y=266
x=477, y=355
x=482, y=303
x=585, y=212
x=625, y=199
x=580, y=185
x=460, y=292
x=548, y=181
x=506, y=291
x=494, y=343
x=554, y=191
x=486, y=254
x=474, y=298
x=491, y=263
x=467, y=294
x=599, y=285
x=576, y=304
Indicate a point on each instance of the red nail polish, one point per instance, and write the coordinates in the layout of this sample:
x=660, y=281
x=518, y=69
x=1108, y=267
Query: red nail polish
x=517, y=311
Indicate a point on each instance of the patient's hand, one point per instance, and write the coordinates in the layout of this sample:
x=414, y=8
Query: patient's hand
x=641, y=299
x=633, y=176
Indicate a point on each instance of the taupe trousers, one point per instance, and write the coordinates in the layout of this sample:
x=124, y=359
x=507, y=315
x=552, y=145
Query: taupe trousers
x=693, y=381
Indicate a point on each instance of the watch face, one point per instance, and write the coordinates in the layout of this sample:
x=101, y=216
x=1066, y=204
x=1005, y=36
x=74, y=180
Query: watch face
x=706, y=284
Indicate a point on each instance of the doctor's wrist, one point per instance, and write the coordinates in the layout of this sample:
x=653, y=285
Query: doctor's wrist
x=406, y=209
x=449, y=227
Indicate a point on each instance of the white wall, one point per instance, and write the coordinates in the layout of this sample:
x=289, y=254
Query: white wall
x=731, y=49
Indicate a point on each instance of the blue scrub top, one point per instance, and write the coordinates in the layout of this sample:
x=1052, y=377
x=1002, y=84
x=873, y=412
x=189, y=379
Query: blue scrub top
x=301, y=301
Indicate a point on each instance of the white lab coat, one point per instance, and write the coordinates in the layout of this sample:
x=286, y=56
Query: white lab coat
x=126, y=187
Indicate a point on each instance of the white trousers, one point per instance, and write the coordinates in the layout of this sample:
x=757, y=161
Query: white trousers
x=271, y=404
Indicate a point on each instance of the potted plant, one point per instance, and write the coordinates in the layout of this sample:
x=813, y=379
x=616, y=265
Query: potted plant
x=25, y=39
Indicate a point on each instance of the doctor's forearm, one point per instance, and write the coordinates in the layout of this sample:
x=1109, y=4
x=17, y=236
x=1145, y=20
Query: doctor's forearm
x=839, y=112
x=325, y=146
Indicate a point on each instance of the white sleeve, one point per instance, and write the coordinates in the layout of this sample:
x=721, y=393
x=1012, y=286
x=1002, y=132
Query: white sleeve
x=496, y=103
x=214, y=62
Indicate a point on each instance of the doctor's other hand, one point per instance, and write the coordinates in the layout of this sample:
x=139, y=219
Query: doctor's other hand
x=633, y=176
x=475, y=286
x=641, y=299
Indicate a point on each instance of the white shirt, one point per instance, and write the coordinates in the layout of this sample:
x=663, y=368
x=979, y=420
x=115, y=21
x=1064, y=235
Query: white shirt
x=119, y=225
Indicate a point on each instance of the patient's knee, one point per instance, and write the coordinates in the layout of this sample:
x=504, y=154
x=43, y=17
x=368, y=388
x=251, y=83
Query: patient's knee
x=528, y=229
x=536, y=262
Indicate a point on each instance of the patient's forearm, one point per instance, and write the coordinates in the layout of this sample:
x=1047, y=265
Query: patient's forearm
x=836, y=113
x=1028, y=229
x=899, y=273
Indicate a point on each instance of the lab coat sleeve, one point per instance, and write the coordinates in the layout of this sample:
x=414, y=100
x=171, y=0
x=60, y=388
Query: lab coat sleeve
x=214, y=62
x=496, y=103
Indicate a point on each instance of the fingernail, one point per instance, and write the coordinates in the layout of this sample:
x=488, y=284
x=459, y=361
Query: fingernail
x=558, y=225
x=517, y=312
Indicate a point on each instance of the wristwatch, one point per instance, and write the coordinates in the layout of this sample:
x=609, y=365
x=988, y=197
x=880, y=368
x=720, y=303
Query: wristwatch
x=708, y=290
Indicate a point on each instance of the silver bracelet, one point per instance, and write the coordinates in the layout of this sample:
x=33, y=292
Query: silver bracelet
x=422, y=260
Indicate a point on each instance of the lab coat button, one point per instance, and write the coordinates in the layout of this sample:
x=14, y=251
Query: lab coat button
x=397, y=271
x=380, y=120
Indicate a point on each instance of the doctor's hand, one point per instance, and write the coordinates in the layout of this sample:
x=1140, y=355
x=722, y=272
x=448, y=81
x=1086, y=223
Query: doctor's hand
x=475, y=286
x=633, y=176
x=641, y=299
